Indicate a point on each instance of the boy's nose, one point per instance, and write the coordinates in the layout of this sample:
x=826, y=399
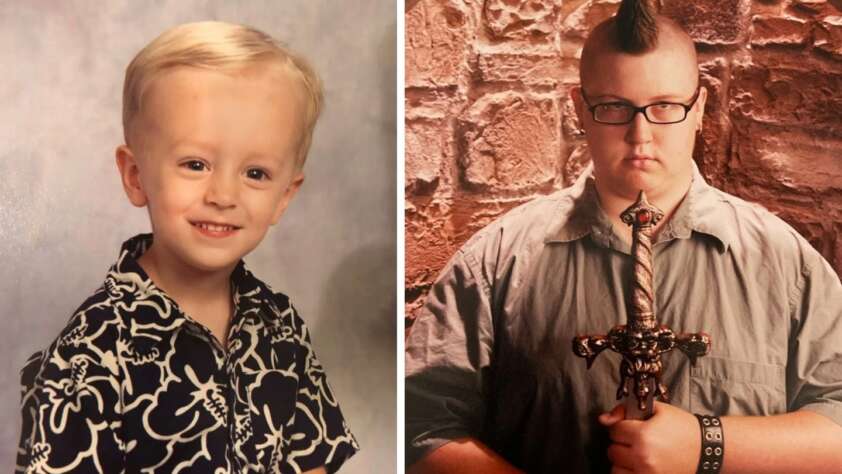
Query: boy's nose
x=639, y=130
x=222, y=191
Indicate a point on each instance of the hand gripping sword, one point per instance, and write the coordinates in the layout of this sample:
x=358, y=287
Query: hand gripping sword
x=642, y=341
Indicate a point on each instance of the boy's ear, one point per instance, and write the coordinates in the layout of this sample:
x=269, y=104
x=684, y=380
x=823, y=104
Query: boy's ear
x=130, y=175
x=700, y=103
x=287, y=197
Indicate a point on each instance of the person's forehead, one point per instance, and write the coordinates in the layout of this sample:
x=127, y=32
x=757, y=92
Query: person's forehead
x=267, y=91
x=179, y=109
x=658, y=74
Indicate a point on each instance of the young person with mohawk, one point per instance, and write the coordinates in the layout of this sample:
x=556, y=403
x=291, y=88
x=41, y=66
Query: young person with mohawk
x=492, y=385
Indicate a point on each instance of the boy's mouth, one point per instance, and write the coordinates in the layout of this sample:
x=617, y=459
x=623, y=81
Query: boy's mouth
x=214, y=226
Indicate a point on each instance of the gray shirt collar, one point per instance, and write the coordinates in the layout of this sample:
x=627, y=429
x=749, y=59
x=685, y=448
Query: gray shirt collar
x=702, y=210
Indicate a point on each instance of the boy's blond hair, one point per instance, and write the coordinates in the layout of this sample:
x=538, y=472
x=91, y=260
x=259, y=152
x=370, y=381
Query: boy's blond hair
x=223, y=47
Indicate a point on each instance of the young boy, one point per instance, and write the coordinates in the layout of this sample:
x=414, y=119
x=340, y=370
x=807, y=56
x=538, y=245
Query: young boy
x=183, y=360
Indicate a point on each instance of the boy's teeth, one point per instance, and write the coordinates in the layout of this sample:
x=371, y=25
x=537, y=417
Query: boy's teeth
x=214, y=228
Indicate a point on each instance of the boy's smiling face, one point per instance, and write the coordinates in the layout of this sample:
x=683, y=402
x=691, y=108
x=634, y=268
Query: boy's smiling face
x=213, y=157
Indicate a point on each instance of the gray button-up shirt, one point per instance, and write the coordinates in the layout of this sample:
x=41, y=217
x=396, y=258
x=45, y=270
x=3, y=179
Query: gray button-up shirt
x=490, y=355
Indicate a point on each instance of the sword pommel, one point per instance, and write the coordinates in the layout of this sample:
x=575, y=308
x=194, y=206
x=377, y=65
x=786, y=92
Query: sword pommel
x=641, y=214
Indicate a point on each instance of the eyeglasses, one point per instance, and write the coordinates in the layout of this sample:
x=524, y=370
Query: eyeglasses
x=621, y=113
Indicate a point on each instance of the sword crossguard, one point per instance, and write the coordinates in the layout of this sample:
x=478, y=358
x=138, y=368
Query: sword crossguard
x=641, y=351
x=694, y=345
x=589, y=347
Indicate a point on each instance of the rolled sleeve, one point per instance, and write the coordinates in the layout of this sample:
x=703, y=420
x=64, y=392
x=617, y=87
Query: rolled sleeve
x=448, y=347
x=814, y=373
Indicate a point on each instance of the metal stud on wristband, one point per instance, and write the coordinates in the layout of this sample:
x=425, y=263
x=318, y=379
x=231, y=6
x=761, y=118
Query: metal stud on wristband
x=713, y=445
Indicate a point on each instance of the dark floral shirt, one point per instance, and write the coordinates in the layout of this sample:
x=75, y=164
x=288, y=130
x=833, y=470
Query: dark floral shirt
x=132, y=384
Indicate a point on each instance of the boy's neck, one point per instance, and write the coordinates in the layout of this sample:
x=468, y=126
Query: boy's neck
x=204, y=296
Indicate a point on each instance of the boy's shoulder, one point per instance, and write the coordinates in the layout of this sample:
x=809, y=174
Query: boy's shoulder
x=92, y=331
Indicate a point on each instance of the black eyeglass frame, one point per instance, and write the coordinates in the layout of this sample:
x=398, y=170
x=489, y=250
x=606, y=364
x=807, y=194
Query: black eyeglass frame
x=687, y=107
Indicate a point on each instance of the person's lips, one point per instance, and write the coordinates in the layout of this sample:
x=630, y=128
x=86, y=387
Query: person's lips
x=639, y=157
x=215, y=229
x=640, y=161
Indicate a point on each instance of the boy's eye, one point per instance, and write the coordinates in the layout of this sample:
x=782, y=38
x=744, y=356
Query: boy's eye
x=194, y=165
x=257, y=174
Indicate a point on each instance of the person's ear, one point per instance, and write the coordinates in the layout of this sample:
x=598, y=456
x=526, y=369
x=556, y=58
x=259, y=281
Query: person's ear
x=293, y=187
x=130, y=175
x=700, y=111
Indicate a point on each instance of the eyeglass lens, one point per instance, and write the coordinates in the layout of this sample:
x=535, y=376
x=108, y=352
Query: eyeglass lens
x=624, y=113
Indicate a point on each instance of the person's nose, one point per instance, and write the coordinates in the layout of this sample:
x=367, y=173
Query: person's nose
x=639, y=130
x=222, y=190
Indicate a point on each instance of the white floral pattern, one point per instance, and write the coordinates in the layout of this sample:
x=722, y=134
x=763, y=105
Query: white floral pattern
x=132, y=384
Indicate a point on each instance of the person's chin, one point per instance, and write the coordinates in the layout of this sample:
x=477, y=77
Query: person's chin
x=636, y=180
x=214, y=261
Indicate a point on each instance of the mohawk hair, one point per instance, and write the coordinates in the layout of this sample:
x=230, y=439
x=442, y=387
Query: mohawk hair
x=636, y=25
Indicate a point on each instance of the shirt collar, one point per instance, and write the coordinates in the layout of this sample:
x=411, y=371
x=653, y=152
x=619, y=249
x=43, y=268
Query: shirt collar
x=154, y=313
x=700, y=211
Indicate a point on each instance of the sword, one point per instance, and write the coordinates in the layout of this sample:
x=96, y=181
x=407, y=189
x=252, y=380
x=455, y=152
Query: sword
x=642, y=341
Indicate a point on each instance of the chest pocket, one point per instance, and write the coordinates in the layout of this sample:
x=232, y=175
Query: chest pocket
x=725, y=386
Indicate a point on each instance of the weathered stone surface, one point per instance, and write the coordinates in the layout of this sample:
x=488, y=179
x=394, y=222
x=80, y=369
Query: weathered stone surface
x=429, y=244
x=811, y=6
x=580, y=21
x=436, y=44
x=777, y=30
x=510, y=141
x=570, y=125
x=470, y=214
x=713, y=74
x=828, y=36
x=791, y=160
x=715, y=22
x=427, y=148
x=431, y=104
x=711, y=148
x=802, y=98
x=544, y=69
x=521, y=19
x=579, y=158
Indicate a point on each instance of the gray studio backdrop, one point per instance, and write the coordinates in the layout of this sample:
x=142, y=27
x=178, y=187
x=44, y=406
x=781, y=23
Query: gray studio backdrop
x=63, y=213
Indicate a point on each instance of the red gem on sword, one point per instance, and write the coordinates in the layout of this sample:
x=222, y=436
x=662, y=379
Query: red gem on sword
x=642, y=341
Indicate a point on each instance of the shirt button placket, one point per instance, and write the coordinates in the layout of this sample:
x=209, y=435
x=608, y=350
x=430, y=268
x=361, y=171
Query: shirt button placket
x=231, y=398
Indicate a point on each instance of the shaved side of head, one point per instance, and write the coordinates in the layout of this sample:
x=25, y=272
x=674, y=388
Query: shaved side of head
x=636, y=29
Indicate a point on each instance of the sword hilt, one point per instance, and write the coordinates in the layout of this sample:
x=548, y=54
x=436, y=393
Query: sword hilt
x=642, y=341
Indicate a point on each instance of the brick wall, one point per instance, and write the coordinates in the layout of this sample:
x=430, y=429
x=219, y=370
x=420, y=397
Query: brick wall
x=489, y=123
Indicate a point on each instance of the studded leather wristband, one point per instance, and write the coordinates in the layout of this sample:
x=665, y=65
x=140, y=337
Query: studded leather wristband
x=713, y=445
